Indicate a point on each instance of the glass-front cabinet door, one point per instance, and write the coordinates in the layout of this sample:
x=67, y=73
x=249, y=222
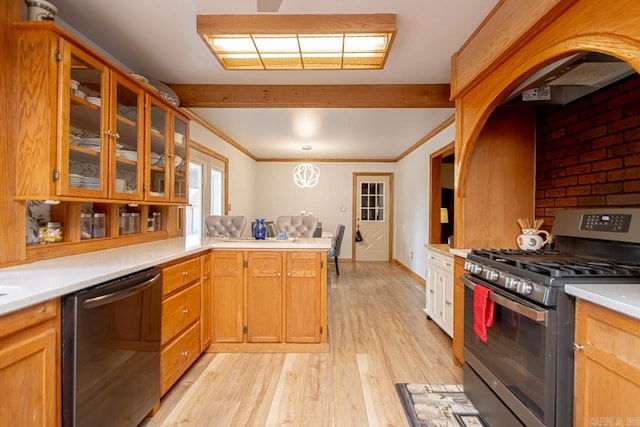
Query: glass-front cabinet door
x=84, y=143
x=158, y=151
x=180, y=160
x=126, y=137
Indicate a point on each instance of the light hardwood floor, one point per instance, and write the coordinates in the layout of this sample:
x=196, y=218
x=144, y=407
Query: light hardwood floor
x=379, y=336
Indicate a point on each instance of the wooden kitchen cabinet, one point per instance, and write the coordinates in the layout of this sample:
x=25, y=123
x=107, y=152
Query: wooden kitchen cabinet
x=303, y=297
x=167, y=154
x=205, y=301
x=458, y=310
x=181, y=312
x=90, y=131
x=227, y=296
x=439, y=290
x=268, y=300
x=264, y=299
x=607, y=366
x=81, y=129
x=30, y=366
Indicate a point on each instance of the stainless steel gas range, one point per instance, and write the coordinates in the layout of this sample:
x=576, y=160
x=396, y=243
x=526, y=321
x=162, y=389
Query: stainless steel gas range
x=523, y=373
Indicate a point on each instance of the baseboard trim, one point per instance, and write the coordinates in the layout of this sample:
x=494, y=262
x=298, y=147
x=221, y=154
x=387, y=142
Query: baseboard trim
x=410, y=272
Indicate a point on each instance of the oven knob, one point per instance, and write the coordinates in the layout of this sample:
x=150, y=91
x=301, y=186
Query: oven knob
x=511, y=283
x=525, y=288
x=476, y=269
x=491, y=275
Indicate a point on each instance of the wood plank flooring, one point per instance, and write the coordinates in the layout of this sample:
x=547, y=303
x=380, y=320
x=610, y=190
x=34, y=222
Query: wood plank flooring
x=379, y=336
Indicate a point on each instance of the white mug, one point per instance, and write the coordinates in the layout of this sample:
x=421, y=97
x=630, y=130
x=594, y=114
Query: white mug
x=121, y=185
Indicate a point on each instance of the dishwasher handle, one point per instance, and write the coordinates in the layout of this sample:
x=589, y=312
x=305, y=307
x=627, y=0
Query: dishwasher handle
x=120, y=294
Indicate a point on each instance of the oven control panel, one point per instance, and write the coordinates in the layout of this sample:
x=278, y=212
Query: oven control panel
x=615, y=223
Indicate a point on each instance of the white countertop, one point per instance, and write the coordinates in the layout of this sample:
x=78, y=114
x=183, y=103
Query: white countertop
x=44, y=280
x=460, y=252
x=624, y=298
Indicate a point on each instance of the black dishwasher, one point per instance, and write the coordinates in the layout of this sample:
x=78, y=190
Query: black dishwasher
x=111, y=351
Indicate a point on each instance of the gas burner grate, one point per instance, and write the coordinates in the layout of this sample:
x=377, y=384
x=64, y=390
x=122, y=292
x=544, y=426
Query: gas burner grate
x=558, y=264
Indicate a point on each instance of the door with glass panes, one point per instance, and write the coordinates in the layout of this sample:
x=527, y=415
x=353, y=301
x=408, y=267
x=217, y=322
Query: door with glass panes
x=207, y=194
x=373, y=215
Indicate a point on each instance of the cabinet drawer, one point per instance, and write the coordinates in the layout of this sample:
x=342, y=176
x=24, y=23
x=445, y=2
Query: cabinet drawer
x=178, y=275
x=180, y=310
x=438, y=260
x=178, y=356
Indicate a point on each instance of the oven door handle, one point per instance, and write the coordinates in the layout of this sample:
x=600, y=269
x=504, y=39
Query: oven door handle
x=526, y=311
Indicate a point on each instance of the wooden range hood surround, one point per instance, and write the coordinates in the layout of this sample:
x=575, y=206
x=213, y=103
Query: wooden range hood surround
x=513, y=42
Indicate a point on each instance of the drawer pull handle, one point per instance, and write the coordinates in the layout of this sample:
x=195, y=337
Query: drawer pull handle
x=577, y=347
x=185, y=310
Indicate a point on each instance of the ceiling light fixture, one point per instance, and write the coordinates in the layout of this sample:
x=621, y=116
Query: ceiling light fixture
x=306, y=175
x=299, y=42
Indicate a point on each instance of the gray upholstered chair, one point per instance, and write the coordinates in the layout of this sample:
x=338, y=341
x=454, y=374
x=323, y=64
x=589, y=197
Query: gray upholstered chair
x=225, y=225
x=297, y=226
x=337, y=245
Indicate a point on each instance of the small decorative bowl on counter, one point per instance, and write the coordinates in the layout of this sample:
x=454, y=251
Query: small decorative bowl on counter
x=282, y=236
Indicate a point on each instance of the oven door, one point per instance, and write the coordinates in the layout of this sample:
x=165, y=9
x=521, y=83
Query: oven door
x=518, y=359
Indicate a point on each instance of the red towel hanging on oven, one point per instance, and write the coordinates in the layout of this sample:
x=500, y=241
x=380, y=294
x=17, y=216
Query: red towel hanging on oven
x=483, y=311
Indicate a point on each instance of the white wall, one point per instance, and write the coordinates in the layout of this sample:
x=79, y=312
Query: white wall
x=278, y=195
x=412, y=202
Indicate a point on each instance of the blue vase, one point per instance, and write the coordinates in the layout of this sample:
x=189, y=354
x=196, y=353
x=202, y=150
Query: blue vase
x=259, y=229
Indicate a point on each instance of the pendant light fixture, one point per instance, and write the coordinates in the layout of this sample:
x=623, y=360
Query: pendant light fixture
x=306, y=175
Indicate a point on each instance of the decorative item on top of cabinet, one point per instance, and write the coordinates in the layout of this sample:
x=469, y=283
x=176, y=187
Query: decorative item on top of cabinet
x=181, y=311
x=268, y=301
x=439, y=290
x=30, y=364
x=606, y=364
x=82, y=125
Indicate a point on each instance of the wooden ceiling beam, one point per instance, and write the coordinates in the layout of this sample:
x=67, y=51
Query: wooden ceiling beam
x=314, y=96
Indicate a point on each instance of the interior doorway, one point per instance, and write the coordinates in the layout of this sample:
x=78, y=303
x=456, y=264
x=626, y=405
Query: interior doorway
x=441, y=200
x=373, y=216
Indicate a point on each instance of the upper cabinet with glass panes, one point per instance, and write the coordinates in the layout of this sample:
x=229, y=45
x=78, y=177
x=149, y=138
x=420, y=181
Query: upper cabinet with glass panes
x=84, y=131
x=167, y=153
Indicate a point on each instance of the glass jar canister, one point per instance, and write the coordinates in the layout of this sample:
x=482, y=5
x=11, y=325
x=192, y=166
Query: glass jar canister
x=259, y=229
x=85, y=226
x=99, y=225
x=53, y=233
x=134, y=225
x=157, y=221
x=125, y=221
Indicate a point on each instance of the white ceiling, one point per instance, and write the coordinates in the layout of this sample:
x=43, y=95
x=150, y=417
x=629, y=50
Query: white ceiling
x=159, y=39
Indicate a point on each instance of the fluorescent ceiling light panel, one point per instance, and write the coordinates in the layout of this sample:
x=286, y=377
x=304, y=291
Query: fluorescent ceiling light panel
x=295, y=42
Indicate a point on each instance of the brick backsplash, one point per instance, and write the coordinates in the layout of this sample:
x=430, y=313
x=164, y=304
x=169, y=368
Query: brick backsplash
x=588, y=151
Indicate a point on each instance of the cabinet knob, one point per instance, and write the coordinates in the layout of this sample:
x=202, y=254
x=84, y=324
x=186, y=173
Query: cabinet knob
x=289, y=274
x=117, y=135
x=205, y=277
x=278, y=274
x=185, y=273
x=447, y=302
x=577, y=347
x=184, y=353
x=185, y=310
x=431, y=291
x=108, y=132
